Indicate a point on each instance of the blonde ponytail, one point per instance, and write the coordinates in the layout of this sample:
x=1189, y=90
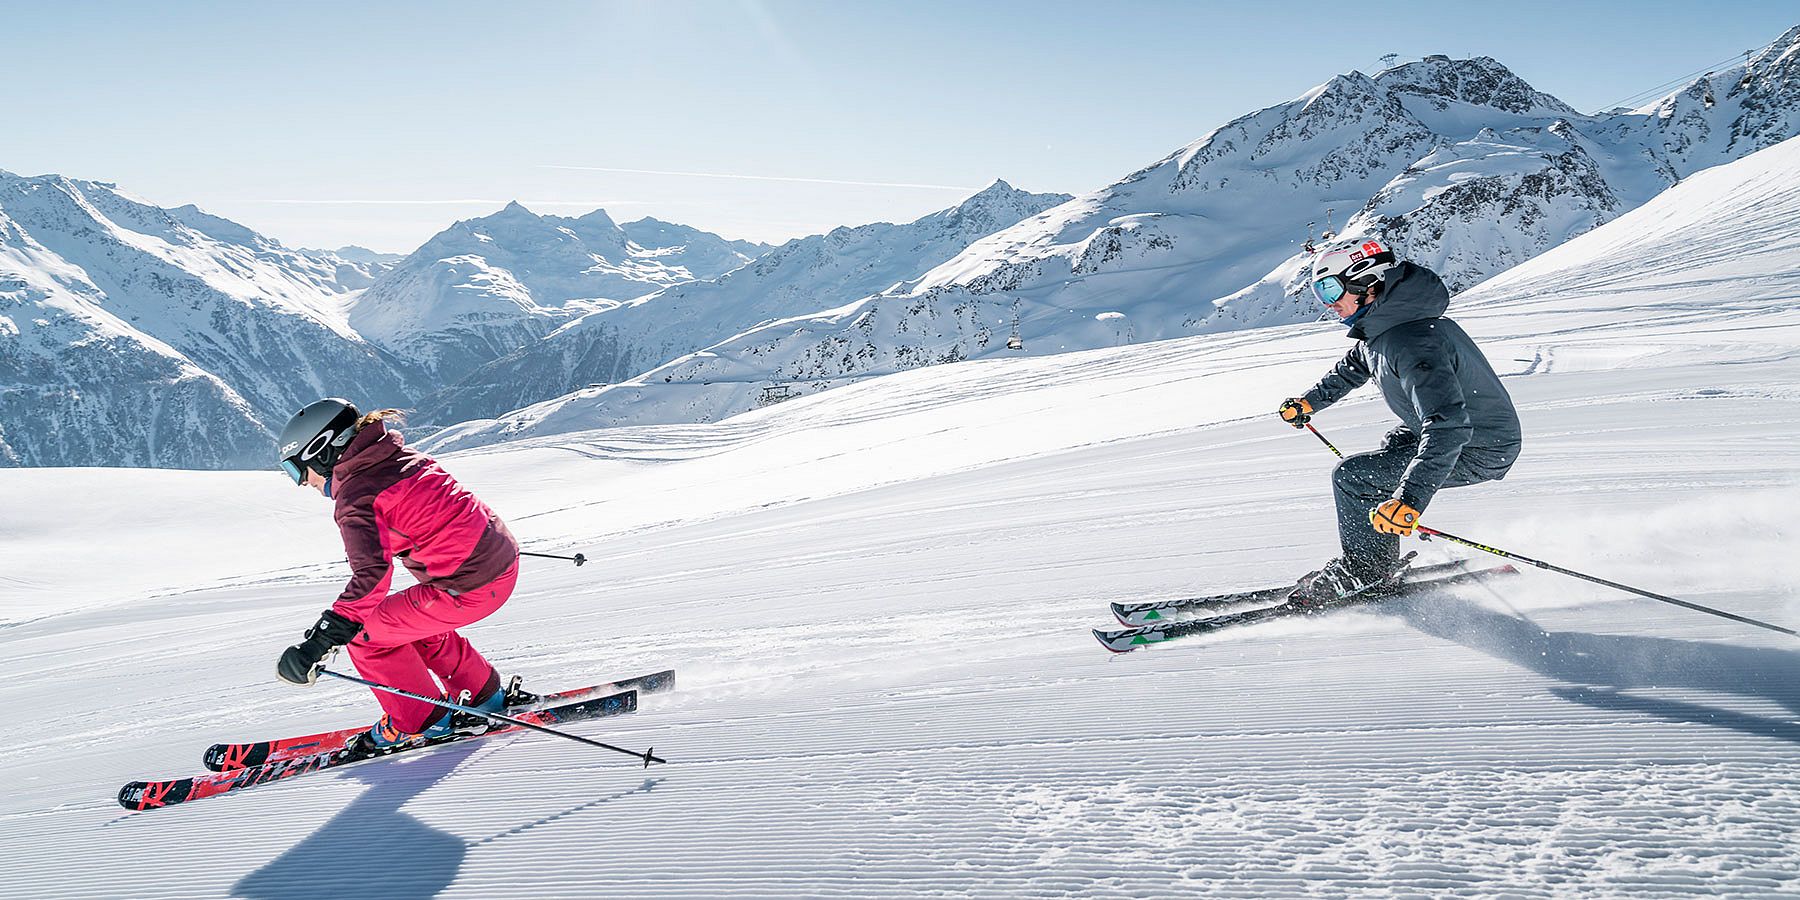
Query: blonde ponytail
x=390, y=416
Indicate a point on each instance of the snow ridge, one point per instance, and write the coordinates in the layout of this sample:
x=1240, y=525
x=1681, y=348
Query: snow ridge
x=134, y=335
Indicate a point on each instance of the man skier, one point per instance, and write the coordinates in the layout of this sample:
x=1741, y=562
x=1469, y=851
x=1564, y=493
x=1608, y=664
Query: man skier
x=1458, y=426
x=393, y=501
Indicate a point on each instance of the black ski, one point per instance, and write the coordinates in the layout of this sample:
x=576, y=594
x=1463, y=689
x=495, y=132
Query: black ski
x=1135, y=615
x=1125, y=640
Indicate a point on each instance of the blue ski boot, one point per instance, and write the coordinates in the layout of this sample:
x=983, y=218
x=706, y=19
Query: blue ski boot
x=385, y=736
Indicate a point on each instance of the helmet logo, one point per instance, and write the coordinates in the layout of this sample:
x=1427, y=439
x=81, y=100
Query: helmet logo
x=318, y=444
x=1356, y=256
x=1371, y=248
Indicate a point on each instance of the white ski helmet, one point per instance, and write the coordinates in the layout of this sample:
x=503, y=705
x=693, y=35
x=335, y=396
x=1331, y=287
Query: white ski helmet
x=1351, y=268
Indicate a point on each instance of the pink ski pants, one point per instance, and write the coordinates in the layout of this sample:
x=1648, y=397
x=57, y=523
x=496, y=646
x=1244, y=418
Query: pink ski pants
x=411, y=636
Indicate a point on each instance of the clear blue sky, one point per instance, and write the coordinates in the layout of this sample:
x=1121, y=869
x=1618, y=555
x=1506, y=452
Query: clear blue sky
x=328, y=123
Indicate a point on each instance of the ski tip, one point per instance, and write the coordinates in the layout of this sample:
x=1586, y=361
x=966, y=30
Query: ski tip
x=1135, y=619
x=1107, y=642
x=141, y=795
x=232, y=757
x=623, y=702
x=660, y=681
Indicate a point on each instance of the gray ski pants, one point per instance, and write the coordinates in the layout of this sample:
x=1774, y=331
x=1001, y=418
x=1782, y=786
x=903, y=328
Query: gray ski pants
x=1362, y=482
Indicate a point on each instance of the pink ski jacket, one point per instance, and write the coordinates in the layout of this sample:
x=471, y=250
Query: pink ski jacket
x=392, y=501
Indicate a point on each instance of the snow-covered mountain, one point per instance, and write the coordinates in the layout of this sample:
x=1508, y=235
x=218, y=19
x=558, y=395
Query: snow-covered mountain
x=362, y=255
x=136, y=335
x=1459, y=163
x=485, y=287
x=1482, y=205
x=615, y=343
x=360, y=264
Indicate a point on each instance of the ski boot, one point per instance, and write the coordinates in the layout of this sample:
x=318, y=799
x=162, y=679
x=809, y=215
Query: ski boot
x=385, y=736
x=469, y=723
x=516, y=695
x=1340, y=581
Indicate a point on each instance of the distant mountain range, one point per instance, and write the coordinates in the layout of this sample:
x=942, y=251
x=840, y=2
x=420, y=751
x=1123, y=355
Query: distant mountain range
x=136, y=335
x=486, y=287
x=617, y=341
x=1461, y=164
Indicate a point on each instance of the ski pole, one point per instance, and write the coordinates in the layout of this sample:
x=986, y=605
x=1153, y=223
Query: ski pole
x=648, y=756
x=1426, y=533
x=578, y=559
x=1328, y=444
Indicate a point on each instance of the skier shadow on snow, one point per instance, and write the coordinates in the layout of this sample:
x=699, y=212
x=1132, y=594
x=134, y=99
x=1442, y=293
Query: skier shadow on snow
x=372, y=846
x=1597, y=667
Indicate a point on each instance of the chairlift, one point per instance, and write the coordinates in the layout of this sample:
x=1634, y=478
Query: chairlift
x=775, y=393
x=1016, y=341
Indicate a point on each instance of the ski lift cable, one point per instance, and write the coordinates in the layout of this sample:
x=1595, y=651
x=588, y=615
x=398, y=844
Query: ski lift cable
x=1676, y=82
x=963, y=339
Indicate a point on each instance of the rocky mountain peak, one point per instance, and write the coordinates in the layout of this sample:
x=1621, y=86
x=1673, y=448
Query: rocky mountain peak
x=1480, y=81
x=598, y=219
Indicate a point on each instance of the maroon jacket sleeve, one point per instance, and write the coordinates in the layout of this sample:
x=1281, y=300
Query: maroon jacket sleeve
x=371, y=569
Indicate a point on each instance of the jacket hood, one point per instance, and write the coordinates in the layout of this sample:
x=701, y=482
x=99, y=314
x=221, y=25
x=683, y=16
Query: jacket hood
x=1408, y=293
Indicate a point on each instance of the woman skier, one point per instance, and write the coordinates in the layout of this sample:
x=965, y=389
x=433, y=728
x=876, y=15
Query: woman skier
x=392, y=501
x=1458, y=426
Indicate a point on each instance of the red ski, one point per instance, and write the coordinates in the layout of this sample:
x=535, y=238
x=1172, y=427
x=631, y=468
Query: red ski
x=230, y=757
x=141, y=795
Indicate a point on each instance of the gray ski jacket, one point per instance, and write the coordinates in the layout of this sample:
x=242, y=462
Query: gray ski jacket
x=1435, y=379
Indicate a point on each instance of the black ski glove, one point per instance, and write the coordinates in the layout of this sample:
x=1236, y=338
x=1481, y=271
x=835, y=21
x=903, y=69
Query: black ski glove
x=300, y=664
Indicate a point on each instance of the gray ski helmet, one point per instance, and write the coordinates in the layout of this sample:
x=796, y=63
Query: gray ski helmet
x=316, y=436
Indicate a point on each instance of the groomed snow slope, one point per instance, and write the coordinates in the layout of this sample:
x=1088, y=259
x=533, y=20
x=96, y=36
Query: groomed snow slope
x=878, y=599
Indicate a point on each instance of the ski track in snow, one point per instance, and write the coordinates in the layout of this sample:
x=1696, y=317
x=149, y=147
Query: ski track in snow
x=878, y=599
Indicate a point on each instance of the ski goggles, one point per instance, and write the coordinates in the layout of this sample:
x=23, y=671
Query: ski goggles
x=1330, y=289
x=293, y=471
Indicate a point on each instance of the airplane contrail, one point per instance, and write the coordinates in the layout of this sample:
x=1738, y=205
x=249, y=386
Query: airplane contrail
x=885, y=184
x=590, y=204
